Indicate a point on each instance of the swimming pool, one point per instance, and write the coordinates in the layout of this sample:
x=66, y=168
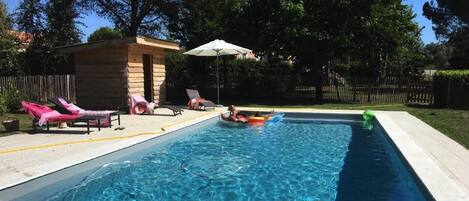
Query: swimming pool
x=300, y=158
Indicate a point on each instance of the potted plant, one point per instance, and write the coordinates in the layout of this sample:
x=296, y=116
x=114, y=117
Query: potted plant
x=11, y=123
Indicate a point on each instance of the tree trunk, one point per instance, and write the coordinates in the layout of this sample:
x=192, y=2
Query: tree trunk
x=134, y=18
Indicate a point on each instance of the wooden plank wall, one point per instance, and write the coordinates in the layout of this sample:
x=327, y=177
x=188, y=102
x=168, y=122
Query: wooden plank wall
x=135, y=71
x=101, y=80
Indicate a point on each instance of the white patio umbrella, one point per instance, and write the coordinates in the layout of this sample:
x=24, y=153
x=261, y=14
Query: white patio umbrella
x=217, y=48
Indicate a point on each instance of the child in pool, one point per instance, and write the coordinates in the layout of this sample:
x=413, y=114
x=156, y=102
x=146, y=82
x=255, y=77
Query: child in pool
x=234, y=115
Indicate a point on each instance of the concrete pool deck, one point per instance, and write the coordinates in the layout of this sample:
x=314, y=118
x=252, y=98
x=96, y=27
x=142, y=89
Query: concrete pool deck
x=440, y=162
x=27, y=156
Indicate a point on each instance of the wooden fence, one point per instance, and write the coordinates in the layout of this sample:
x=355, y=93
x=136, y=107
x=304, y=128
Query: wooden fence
x=41, y=87
x=420, y=93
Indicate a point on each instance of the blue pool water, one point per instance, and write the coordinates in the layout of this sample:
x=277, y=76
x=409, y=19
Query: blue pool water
x=291, y=160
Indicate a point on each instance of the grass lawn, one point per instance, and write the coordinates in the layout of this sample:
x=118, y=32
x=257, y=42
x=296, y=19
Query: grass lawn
x=453, y=123
x=25, y=123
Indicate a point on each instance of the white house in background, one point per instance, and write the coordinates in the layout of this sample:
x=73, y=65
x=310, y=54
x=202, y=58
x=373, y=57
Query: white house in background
x=24, y=39
x=249, y=55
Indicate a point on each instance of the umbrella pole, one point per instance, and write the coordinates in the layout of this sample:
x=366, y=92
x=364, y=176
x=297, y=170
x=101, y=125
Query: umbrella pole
x=218, y=83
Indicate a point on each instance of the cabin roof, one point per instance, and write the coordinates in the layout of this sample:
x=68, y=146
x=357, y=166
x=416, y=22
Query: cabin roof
x=81, y=47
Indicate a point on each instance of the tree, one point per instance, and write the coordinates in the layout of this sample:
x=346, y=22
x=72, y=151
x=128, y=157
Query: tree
x=62, y=21
x=62, y=29
x=459, y=40
x=52, y=24
x=137, y=17
x=29, y=16
x=437, y=55
x=316, y=35
x=5, y=20
x=384, y=34
x=199, y=22
x=451, y=24
x=205, y=20
x=448, y=16
x=8, y=45
x=105, y=33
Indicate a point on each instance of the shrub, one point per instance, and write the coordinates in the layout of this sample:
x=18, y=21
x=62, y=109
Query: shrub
x=13, y=98
x=3, y=104
x=239, y=78
x=452, y=74
x=252, y=77
x=246, y=75
x=177, y=68
x=451, y=88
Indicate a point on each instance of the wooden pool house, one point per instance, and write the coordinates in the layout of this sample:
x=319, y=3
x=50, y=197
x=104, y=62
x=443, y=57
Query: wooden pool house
x=106, y=72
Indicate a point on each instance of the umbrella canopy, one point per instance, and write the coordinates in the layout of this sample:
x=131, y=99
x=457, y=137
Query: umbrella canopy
x=217, y=48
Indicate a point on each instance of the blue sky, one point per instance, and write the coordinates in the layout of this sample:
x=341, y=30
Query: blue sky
x=428, y=35
x=93, y=22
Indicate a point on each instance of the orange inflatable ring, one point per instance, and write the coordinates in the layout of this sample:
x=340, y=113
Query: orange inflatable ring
x=256, y=120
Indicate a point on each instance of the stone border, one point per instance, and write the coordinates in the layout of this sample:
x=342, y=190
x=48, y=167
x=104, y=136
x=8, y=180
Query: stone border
x=432, y=176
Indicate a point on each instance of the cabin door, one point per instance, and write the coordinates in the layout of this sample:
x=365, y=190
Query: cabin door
x=148, y=77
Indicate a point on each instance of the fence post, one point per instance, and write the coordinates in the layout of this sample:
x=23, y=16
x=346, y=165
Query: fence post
x=448, y=95
x=336, y=85
x=432, y=94
x=369, y=89
x=409, y=86
x=68, y=86
x=354, y=90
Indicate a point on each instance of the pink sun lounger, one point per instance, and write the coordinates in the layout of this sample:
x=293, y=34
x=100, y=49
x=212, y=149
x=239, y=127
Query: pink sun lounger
x=138, y=105
x=74, y=109
x=43, y=115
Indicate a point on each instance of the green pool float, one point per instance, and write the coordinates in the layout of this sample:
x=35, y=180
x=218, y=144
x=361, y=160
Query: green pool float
x=368, y=116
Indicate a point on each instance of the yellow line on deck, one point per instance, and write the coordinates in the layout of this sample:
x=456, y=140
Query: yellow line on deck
x=35, y=147
x=76, y=142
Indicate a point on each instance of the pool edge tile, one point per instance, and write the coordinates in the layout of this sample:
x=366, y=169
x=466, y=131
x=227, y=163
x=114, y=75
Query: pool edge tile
x=440, y=185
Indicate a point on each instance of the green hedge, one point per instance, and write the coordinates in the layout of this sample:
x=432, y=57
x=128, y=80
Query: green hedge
x=239, y=78
x=257, y=79
x=451, y=88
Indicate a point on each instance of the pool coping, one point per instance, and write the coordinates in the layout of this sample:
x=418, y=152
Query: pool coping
x=439, y=184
